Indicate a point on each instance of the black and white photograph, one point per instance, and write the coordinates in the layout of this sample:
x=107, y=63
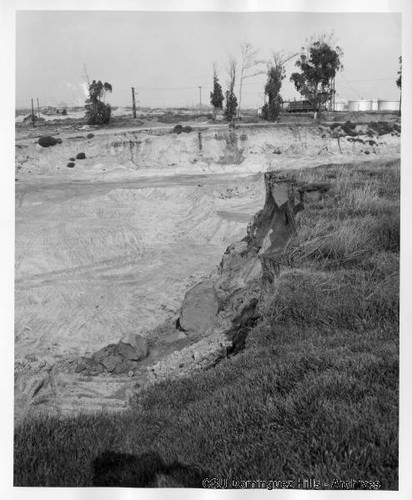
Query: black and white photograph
x=206, y=288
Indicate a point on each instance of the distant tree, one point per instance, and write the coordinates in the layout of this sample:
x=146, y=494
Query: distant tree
x=399, y=83
x=216, y=97
x=231, y=99
x=248, y=68
x=97, y=111
x=319, y=62
x=275, y=74
x=399, y=80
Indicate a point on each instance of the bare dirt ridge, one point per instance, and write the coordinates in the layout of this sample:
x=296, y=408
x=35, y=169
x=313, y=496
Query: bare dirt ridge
x=109, y=248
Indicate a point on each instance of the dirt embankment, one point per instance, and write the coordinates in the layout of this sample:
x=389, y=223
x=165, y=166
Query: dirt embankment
x=251, y=149
x=97, y=261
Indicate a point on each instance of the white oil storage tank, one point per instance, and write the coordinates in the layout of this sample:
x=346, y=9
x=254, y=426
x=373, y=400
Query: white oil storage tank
x=340, y=105
x=388, y=105
x=360, y=105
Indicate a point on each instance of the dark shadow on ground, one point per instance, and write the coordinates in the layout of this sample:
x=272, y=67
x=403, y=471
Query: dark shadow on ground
x=144, y=471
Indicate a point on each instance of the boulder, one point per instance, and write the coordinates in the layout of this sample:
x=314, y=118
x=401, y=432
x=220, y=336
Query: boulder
x=199, y=309
x=80, y=156
x=47, y=140
x=140, y=344
x=108, y=357
x=71, y=164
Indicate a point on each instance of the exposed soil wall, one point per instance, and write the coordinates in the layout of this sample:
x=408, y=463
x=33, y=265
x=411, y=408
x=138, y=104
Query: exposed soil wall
x=245, y=150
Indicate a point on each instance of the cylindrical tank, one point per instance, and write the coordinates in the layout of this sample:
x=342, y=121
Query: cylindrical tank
x=360, y=105
x=388, y=105
x=340, y=106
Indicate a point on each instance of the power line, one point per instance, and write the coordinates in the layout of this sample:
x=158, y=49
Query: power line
x=352, y=87
x=169, y=88
x=370, y=80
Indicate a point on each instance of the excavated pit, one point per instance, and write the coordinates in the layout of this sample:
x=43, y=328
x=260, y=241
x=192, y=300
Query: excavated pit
x=109, y=249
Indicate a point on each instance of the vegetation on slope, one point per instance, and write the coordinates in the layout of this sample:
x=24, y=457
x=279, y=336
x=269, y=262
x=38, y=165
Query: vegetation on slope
x=314, y=394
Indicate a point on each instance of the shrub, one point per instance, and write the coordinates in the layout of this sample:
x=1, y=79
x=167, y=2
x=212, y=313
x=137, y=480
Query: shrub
x=177, y=129
x=349, y=128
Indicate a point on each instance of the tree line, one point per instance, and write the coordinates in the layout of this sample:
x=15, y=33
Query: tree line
x=318, y=63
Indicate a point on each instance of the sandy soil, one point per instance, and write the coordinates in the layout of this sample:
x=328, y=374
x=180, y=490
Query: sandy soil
x=110, y=247
x=94, y=263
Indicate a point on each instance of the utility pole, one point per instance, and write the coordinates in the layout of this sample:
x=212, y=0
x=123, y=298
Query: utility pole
x=134, y=103
x=200, y=97
x=332, y=102
x=32, y=111
x=38, y=107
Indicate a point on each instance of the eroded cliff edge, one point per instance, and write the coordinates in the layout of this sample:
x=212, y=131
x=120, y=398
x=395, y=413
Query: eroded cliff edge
x=215, y=318
x=217, y=313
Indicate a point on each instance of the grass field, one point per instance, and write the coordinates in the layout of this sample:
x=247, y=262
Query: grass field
x=314, y=394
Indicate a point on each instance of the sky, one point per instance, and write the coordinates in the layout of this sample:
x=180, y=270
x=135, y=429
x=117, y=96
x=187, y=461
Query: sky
x=167, y=56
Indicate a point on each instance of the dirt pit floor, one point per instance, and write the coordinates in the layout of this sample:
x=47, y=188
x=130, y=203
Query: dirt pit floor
x=110, y=246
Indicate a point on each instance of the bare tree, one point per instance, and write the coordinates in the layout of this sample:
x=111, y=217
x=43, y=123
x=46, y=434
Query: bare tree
x=249, y=67
x=86, y=75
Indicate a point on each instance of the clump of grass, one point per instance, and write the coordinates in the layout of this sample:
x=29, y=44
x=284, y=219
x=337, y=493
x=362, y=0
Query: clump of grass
x=338, y=299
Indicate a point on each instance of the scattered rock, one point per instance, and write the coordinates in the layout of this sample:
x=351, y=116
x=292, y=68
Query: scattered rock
x=90, y=366
x=115, y=358
x=47, y=141
x=80, y=156
x=90, y=135
x=127, y=351
x=72, y=159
